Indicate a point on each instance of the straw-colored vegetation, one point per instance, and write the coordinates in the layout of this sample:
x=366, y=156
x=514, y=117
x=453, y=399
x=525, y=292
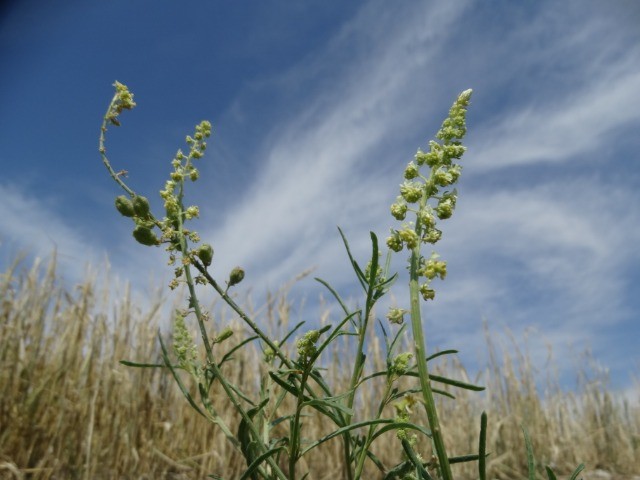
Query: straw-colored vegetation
x=69, y=410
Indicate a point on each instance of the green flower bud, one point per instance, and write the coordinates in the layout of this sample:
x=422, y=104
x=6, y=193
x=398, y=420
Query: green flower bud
x=236, y=276
x=425, y=215
x=399, y=209
x=141, y=206
x=410, y=237
x=411, y=171
x=434, y=268
x=426, y=292
x=205, y=254
x=306, y=345
x=446, y=205
x=124, y=206
x=145, y=236
x=432, y=235
x=396, y=315
x=191, y=212
x=401, y=364
x=411, y=191
x=454, y=150
x=394, y=242
x=442, y=177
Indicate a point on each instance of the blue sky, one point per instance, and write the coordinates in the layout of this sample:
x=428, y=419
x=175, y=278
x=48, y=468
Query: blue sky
x=316, y=108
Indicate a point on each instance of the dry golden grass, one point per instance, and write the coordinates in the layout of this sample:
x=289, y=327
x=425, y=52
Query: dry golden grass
x=69, y=410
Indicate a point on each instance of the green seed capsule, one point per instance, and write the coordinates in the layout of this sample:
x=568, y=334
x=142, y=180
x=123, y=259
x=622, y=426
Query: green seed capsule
x=145, y=236
x=205, y=253
x=141, y=206
x=236, y=276
x=124, y=206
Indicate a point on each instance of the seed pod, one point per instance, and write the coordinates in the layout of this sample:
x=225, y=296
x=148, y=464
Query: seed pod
x=236, y=276
x=141, y=206
x=224, y=334
x=124, y=206
x=145, y=236
x=205, y=253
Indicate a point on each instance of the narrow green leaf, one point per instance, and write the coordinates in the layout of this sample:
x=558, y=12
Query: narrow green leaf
x=550, y=474
x=398, y=425
x=127, y=363
x=439, y=354
x=334, y=293
x=228, y=355
x=531, y=463
x=291, y=332
x=354, y=264
x=256, y=463
x=345, y=429
x=329, y=404
x=247, y=444
x=422, y=472
x=464, y=458
x=577, y=471
x=449, y=381
x=482, y=448
x=373, y=270
x=336, y=332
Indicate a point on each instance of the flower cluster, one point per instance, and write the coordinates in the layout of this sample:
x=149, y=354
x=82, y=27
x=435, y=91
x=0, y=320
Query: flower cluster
x=400, y=365
x=183, y=346
x=306, y=346
x=426, y=195
x=123, y=100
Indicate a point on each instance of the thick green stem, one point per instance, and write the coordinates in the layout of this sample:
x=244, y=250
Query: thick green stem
x=421, y=359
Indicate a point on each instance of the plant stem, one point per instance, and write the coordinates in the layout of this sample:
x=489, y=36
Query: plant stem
x=421, y=359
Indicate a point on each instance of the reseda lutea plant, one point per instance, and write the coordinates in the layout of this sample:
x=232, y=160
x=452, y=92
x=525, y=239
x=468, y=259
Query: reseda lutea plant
x=294, y=384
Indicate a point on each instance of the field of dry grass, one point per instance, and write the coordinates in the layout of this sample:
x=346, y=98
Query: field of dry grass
x=69, y=410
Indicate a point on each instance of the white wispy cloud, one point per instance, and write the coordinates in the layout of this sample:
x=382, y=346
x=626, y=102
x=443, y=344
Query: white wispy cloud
x=548, y=253
x=320, y=169
x=35, y=225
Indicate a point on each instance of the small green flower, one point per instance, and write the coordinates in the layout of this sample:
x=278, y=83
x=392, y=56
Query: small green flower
x=432, y=235
x=409, y=237
x=306, y=346
x=396, y=315
x=433, y=268
x=446, y=205
x=425, y=215
x=400, y=364
x=427, y=292
x=394, y=242
x=399, y=209
x=411, y=191
x=191, y=212
x=411, y=171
